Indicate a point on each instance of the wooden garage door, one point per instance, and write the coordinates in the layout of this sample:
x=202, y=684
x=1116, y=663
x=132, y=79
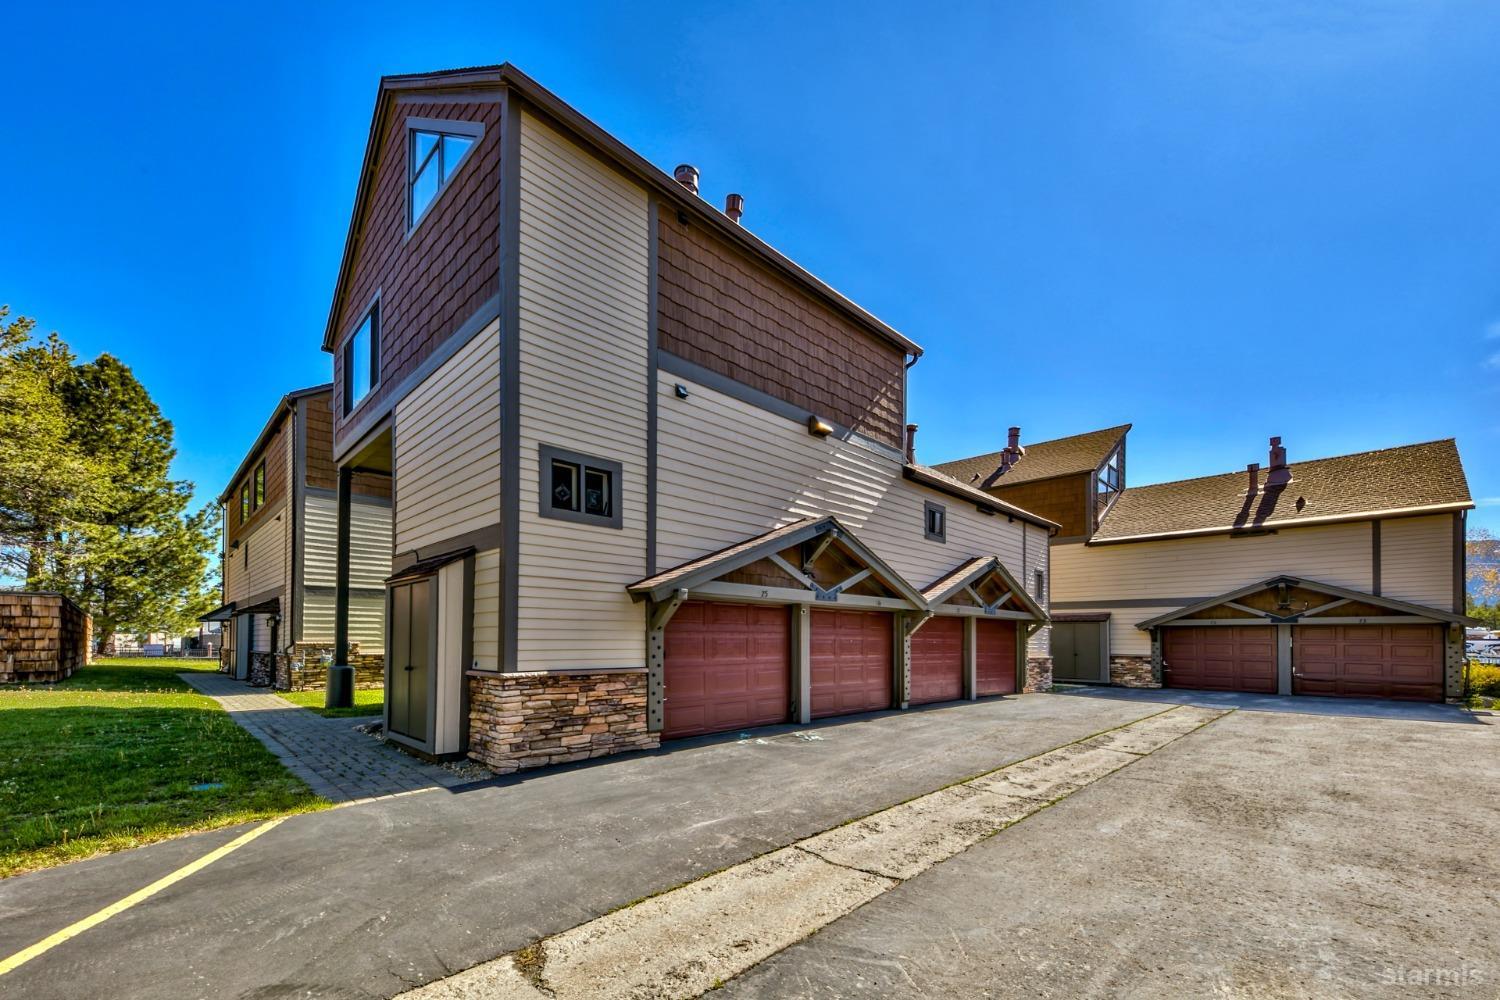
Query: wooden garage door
x=1220, y=658
x=1368, y=661
x=728, y=666
x=937, y=661
x=995, y=656
x=851, y=661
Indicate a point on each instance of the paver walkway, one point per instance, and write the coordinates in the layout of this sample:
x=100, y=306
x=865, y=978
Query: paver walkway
x=336, y=760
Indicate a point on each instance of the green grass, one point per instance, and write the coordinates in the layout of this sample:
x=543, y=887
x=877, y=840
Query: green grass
x=107, y=760
x=366, y=702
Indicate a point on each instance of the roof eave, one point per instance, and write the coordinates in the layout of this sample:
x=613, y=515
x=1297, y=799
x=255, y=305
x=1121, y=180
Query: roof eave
x=1301, y=522
x=282, y=407
x=970, y=495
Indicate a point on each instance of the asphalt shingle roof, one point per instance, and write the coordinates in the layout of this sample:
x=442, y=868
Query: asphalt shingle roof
x=1404, y=478
x=1043, y=460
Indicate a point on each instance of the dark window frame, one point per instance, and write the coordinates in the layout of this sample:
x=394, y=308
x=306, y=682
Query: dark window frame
x=245, y=509
x=440, y=127
x=941, y=534
x=371, y=316
x=1040, y=583
x=258, y=495
x=548, y=454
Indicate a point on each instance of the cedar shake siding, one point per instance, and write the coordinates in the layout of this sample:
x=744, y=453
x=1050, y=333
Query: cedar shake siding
x=321, y=473
x=719, y=310
x=431, y=282
x=275, y=455
x=1068, y=500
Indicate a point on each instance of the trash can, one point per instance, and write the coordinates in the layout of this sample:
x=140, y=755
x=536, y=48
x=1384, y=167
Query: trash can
x=340, y=688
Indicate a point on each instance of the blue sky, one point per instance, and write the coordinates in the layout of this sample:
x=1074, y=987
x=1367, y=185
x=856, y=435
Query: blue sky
x=1216, y=221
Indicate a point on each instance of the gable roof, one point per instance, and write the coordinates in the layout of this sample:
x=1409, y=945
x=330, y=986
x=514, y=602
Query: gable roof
x=601, y=142
x=1403, y=607
x=1407, y=479
x=971, y=570
x=1059, y=457
x=282, y=406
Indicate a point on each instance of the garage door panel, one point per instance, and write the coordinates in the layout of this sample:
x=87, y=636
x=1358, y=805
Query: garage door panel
x=851, y=669
x=1368, y=661
x=995, y=657
x=937, y=661
x=1220, y=658
x=728, y=666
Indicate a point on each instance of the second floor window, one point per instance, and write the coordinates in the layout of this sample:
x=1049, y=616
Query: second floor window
x=435, y=156
x=260, y=485
x=244, y=503
x=362, y=360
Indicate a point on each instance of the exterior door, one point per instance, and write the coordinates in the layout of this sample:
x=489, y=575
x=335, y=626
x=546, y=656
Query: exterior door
x=244, y=632
x=852, y=661
x=995, y=656
x=1368, y=661
x=937, y=661
x=1078, y=652
x=1220, y=658
x=728, y=666
x=410, y=658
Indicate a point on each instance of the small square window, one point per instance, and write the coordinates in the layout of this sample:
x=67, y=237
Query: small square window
x=579, y=488
x=935, y=521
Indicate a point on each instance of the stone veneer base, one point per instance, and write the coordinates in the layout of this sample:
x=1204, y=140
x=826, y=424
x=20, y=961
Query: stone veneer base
x=1038, y=674
x=1133, y=671
x=521, y=721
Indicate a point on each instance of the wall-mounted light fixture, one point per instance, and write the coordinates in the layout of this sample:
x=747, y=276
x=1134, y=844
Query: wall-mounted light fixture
x=818, y=427
x=681, y=390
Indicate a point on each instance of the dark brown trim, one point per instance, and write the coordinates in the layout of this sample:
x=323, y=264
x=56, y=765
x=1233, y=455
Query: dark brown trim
x=479, y=539
x=1460, y=563
x=985, y=503
x=1080, y=616
x=510, y=376
x=652, y=384
x=1375, y=558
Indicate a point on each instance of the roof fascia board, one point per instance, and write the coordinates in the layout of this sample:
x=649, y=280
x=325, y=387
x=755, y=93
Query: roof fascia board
x=283, y=407
x=1302, y=522
x=977, y=498
x=1297, y=581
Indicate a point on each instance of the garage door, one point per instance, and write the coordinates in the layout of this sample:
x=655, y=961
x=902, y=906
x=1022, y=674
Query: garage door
x=851, y=662
x=995, y=656
x=728, y=666
x=1368, y=661
x=937, y=661
x=1220, y=658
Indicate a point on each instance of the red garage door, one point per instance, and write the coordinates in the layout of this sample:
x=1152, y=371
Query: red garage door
x=995, y=656
x=937, y=661
x=1368, y=661
x=851, y=662
x=1220, y=658
x=728, y=666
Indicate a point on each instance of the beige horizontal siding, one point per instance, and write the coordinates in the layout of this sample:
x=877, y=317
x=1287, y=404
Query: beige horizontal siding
x=1203, y=567
x=266, y=568
x=366, y=620
x=487, y=610
x=447, y=448
x=1416, y=560
x=728, y=470
x=369, y=543
x=584, y=322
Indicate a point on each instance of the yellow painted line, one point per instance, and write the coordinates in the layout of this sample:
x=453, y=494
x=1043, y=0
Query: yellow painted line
x=45, y=945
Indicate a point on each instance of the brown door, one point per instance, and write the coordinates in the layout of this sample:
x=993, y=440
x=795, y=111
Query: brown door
x=937, y=661
x=1368, y=661
x=728, y=666
x=995, y=656
x=851, y=661
x=1220, y=658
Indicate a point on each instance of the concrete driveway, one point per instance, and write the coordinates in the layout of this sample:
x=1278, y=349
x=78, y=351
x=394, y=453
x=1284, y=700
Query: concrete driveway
x=1271, y=854
x=369, y=900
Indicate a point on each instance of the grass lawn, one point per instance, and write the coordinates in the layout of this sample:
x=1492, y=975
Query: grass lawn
x=109, y=759
x=366, y=702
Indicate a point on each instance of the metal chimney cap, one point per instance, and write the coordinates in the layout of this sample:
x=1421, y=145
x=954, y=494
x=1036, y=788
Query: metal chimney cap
x=687, y=175
x=734, y=206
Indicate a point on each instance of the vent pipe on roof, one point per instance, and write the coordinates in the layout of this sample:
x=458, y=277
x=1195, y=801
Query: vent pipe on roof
x=1279, y=474
x=687, y=175
x=911, y=444
x=1013, y=441
x=734, y=207
x=1254, y=470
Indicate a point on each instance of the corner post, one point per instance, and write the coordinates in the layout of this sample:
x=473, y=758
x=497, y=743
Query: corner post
x=971, y=658
x=339, y=690
x=801, y=664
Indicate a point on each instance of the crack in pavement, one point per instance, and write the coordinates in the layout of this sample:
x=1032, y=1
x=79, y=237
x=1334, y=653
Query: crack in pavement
x=688, y=940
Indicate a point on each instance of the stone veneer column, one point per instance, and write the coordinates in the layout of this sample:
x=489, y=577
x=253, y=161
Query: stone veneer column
x=1038, y=674
x=526, y=720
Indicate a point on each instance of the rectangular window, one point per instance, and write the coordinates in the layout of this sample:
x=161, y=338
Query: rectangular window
x=244, y=503
x=935, y=525
x=362, y=360
x=247, y=555
x=436, y=149
x=1041, y=586
x=260, y=485
x=579, y=488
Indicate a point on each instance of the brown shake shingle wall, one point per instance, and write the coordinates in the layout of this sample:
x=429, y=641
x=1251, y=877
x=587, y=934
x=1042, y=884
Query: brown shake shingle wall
x=273, y=453
x=434, y=281
x=321, y=472
x=718, y=309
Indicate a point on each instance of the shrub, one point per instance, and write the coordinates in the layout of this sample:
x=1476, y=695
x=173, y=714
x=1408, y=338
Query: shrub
x=1484, y=679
